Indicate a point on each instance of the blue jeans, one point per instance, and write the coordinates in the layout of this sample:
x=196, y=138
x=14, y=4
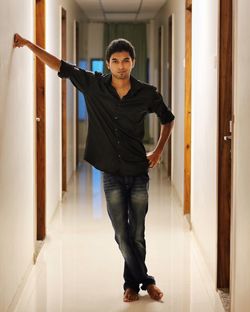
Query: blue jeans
x=127, y=204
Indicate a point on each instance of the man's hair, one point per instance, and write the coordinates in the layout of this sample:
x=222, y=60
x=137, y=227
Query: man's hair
x=120, y=45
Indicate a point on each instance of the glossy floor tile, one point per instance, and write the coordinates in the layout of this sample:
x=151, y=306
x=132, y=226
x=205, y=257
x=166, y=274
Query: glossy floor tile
x=79, y=268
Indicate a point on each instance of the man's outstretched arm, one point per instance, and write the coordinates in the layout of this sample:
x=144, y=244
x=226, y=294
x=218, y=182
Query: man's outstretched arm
x=48, y=59
x=155, y=155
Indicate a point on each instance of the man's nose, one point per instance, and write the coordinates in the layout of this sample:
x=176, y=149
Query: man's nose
x=121, y=65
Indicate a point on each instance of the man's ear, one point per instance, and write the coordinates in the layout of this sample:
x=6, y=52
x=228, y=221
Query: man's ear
x=107, y=64
x=133, y=64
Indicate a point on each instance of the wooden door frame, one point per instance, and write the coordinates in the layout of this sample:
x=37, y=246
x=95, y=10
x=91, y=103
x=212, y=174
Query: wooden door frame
x=161, y=57
x=188, y=107
x=64, y=100
x=160, y=39
x=170, y=87
x=40, y=122
x=224, y=143
x=76, y=25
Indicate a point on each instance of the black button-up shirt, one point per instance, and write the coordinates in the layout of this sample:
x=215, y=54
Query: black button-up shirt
x=116, y=126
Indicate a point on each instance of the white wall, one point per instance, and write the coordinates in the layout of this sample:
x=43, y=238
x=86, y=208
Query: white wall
x=204, y=129
x=16, y=149
x=177, y=8
x=204, y=116
x=53, y=100
x=17, y=137
x=241, y=172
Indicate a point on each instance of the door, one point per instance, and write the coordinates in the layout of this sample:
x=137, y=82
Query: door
x=64, y=101
x=224, y=148
x=40, y=123
x=188, y=88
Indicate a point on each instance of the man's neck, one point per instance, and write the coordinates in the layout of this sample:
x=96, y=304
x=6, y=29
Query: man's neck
x=120, y=83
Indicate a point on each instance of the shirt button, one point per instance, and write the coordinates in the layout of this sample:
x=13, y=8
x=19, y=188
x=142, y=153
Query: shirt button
x=118, y=142
x=116, y=129
x=116, y=117
x=119, y=156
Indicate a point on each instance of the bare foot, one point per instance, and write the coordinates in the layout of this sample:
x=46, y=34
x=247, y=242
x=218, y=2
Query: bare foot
x=130, y=295
x=154, y=292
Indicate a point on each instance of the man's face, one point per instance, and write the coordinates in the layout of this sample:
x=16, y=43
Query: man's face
x=120, y=64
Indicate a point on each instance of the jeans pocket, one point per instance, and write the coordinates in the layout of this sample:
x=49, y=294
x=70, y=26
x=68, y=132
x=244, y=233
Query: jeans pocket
x=141, y=182
x=109, y=181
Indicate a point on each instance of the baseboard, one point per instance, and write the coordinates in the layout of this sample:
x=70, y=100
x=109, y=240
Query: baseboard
x=13, y=305
x=38, y=247
x=225, y=299
x=207, y=274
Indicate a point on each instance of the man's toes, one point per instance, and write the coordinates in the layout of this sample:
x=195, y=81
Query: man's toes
x=158, y=296
x=154, y=292
x=130, y=295
x=126, y=299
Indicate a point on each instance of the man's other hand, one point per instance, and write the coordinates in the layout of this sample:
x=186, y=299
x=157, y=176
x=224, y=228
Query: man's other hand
x=153, y=158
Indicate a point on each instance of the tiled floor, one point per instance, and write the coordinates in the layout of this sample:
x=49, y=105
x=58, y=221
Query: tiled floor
x=80, y=267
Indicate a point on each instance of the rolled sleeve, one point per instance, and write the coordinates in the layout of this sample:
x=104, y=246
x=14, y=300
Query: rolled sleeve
x=158, y=107
x=80, y=78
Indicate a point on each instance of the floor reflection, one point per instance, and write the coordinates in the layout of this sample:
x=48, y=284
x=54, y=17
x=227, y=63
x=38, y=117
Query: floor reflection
x=80, y=267
x=97, y=197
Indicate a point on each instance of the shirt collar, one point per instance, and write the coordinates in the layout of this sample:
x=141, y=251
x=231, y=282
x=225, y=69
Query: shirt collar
x=136, y=85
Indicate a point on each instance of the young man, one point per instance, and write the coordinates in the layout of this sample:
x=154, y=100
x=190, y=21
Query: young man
x=117, y=104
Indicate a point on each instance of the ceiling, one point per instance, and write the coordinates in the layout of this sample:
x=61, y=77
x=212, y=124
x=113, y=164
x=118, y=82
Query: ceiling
x=120, y=10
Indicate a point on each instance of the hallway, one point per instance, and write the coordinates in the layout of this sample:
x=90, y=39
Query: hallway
x=39, y=145
x=80, y=268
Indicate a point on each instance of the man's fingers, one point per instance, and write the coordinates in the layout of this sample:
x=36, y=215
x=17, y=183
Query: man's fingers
x=15, y=38
x=15, y=43
x=18, y=41
x=152, y=163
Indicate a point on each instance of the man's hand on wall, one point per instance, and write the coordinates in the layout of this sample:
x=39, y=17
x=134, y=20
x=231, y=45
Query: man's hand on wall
x=19, y=41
